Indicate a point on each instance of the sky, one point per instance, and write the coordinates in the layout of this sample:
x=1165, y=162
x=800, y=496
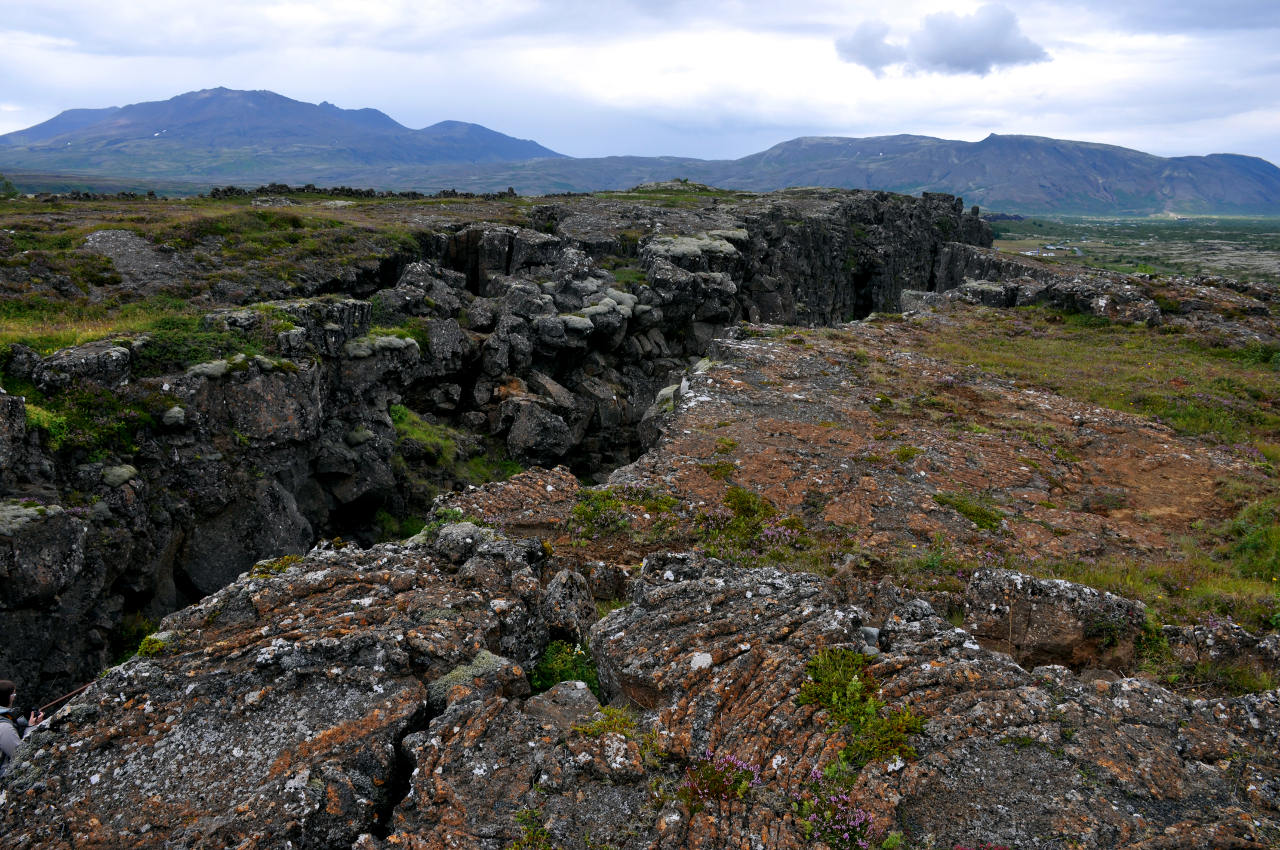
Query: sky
x=716, y=79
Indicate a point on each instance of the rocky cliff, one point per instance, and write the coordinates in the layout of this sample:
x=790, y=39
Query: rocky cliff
x=159, y=486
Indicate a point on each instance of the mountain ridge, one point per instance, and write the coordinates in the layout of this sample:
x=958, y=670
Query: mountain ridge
x=218, y=136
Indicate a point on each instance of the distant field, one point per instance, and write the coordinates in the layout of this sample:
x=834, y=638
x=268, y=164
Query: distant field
x=1247, y=248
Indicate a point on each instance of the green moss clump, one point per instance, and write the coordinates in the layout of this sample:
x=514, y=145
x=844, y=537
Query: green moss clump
x=533, y=835
x=612, y=720
x=152, y=647
x=438, y=441
x=264, y=569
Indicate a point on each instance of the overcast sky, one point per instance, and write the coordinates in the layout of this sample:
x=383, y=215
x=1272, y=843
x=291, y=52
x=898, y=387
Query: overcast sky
x=705, y=78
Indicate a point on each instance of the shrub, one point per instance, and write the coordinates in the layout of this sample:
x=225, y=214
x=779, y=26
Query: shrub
x=826, y=812
x=565, y=662
x=716, y=777
x=840, y=684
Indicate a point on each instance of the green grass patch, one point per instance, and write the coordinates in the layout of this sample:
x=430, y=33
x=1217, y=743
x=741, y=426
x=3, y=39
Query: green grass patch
x=388, y=527
x=616, y=721
x=414, y=328
x=438, y=441
x=905, y=454
x=972, y=509
x=1253, y=540
x=1229, y=394
x=609, y=510
x=719, y=470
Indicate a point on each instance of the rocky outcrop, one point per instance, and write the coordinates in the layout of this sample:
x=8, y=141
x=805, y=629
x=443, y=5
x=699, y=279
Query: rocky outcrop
x=378, y=698
x=1093, y=295
x=249, y=457
x=552, y=343
x=1042, y=621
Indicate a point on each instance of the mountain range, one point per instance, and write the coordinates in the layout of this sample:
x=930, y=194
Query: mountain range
x=220, y=136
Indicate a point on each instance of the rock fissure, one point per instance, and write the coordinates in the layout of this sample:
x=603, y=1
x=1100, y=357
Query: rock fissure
x=499, y=336
x=398, y=784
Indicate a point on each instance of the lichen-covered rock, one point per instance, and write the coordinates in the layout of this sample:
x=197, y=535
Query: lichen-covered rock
x=1050, y=621
x=378, y=699
x=273, y=711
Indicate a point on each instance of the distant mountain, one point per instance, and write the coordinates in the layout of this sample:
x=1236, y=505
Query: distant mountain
x=220, y=136
x=226, y=135
x=1022, y=173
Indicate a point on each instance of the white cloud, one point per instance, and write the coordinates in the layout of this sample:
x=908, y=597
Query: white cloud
x=867, y=47
x=946, y=42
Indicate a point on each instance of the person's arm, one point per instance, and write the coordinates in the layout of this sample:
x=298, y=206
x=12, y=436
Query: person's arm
x=37, y=717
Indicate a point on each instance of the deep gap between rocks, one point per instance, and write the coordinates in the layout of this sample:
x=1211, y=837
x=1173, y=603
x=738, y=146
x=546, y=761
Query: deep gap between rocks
x=399, y=782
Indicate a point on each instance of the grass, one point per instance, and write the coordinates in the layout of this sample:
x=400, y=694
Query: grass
x=1237, y=678
x=611, y=510
x=414, y=328
x=1229, y=395
x=47, y=325
x=1237, y=246
x=533, y=835
x=439, y=441
x=612, y=721
x=389, y=527
x=972, y=508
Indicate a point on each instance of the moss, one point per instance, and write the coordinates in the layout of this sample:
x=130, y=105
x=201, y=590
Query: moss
x=264, y=569
x=905, y=454
x=439, y=441
x=725, y=445
x=719, y=470
x=414, y=328
x=617, y=721
x=482, y=665
x=152, y=646
x=533, y=835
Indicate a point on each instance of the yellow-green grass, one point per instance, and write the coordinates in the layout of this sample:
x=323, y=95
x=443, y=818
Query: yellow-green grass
x=1199, y=389
x=47, y=325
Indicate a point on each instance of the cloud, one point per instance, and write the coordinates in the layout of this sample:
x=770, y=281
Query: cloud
x=947, y=43
x=867, y=47
x=1184, y=16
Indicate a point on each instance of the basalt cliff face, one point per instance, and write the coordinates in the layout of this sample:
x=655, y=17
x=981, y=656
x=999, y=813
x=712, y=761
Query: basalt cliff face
x=763, y=476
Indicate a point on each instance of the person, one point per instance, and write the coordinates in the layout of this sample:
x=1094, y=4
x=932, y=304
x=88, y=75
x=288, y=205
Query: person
x=12, y=724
